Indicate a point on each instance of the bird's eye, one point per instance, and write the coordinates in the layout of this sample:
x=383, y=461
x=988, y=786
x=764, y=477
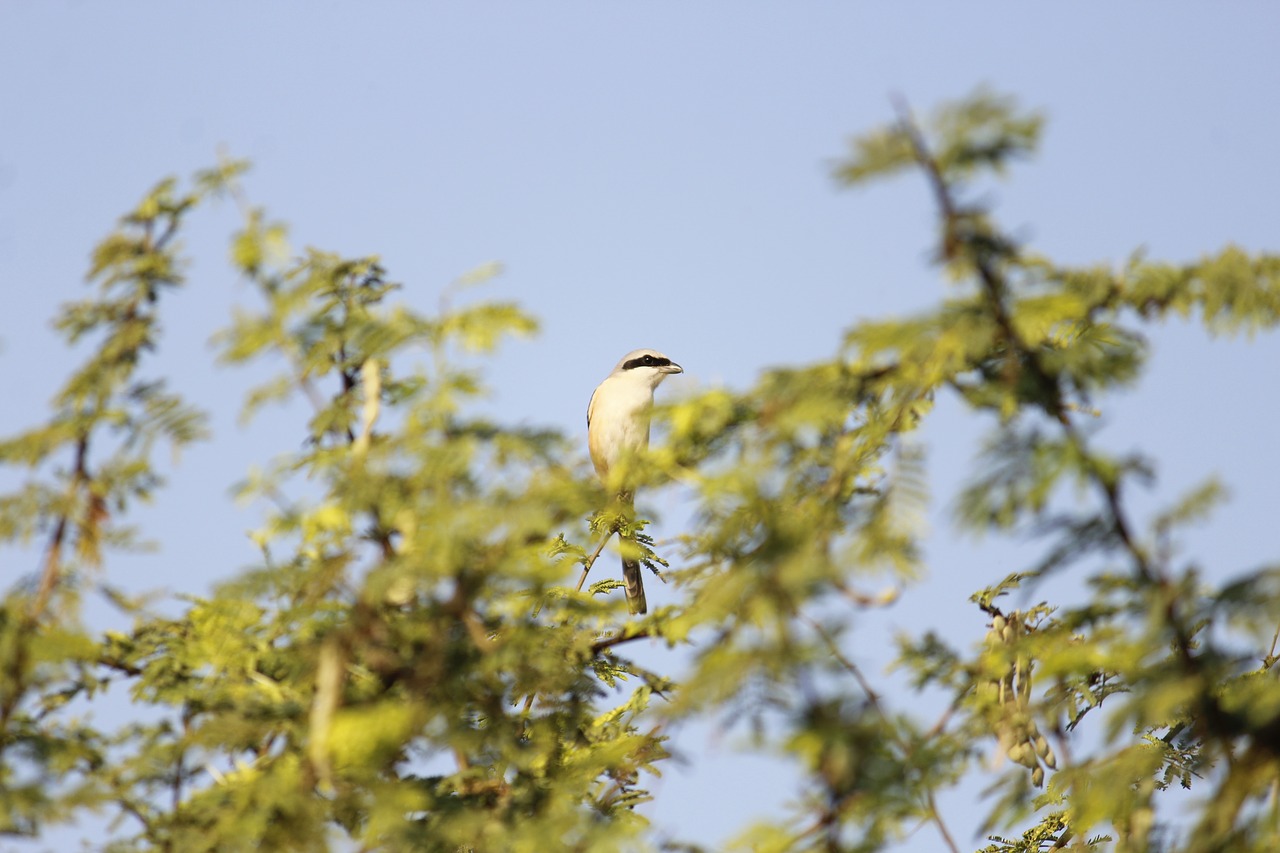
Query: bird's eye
x=648, y=359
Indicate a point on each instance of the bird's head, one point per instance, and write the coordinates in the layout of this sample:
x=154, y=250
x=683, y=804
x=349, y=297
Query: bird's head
x=647, y=365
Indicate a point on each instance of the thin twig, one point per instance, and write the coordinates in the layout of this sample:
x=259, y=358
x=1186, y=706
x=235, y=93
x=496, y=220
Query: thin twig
x=849, y=666
x=586, y=567
x=939, y=822
x=1271, y=655
x=52, y=572
x=50, y=577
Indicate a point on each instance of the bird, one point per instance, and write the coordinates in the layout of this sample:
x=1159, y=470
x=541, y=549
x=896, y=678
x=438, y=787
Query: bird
x=617, y=428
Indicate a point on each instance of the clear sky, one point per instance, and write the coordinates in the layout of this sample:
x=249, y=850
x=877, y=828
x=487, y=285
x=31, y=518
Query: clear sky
x=651, y=175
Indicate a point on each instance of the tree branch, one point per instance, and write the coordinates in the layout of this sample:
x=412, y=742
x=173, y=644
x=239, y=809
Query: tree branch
x=616, y=640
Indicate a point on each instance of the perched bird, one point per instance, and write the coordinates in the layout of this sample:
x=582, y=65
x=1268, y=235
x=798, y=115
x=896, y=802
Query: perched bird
x=617, y=427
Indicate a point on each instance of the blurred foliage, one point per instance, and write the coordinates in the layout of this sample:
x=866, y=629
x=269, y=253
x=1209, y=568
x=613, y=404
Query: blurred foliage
x=410, y=667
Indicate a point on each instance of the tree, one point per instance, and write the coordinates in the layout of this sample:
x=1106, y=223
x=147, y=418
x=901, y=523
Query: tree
x=411, y=667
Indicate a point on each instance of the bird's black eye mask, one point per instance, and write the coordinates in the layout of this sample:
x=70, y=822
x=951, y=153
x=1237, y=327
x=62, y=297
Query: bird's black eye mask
x=646, y=360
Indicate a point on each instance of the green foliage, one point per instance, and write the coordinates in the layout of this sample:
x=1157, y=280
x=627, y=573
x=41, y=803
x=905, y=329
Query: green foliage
x=408, y=667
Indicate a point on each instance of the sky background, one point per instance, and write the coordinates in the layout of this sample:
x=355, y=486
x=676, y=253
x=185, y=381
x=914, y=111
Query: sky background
x=649, y=176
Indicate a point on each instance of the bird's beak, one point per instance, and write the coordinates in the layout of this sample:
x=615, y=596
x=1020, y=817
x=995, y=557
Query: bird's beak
x=672, y=368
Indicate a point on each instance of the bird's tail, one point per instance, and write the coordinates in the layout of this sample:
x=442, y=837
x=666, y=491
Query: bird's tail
x=635, y=587
x=631, y=568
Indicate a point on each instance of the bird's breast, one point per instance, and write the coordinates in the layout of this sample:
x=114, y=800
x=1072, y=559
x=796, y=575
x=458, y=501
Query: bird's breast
x=619, y=424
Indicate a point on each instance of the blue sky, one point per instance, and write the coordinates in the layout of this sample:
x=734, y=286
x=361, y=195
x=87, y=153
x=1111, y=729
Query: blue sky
x=652, y=175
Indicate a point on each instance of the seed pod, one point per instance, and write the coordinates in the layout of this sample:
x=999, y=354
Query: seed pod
x=1037, y=777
